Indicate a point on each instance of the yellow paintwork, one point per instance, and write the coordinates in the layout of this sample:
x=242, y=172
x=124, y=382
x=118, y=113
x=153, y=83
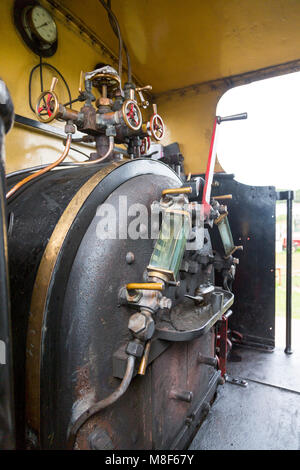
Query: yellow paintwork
x=173, y=43
x=189, y=121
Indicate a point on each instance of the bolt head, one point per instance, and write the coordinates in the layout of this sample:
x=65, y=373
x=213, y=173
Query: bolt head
x=137, y=323
x=135, y=349
x=165, y=303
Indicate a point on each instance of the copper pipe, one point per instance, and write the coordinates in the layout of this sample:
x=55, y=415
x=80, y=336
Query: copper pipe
x=67, y=114
x=109, y=151
x=44, y=170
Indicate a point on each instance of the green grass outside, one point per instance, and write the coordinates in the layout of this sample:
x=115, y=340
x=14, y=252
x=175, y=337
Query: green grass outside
x=280, y=289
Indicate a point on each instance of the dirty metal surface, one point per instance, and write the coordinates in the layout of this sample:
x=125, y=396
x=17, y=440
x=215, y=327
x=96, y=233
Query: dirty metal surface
x=275, y=368
x=173, y=417
x=188, y=321
x=258, y=417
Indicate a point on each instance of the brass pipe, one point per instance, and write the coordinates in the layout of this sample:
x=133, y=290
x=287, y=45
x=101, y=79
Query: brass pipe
x=145, y=358
x=53, y=83
x=220, y=218
x=44, y=170
x=226, y=196
x=240, y=247
x=185, y=190
x=144, y=286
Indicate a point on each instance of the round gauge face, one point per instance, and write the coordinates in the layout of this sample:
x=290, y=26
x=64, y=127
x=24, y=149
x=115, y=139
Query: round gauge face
x=43, y=24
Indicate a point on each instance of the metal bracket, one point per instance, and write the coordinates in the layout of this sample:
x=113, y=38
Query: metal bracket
x=236, y=381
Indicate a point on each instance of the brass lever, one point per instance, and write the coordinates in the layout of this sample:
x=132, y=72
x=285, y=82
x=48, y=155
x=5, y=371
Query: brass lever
x=144, y=103
x=81, y=82
x=53, y=83
x=225, y=196
x=185, y=190
x=143, y=88
x=144, y=286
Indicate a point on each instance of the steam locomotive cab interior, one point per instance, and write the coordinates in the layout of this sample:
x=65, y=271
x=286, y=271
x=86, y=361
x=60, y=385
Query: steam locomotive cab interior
x=128, y=279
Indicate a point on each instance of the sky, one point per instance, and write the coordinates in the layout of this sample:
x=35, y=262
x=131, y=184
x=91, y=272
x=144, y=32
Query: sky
x=264, y=149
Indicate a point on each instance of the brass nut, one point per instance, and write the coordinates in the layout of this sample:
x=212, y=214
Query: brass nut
x=102, y=102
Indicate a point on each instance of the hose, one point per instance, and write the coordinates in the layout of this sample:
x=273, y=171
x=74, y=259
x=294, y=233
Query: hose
x=42, y=171
x=102, y=404
x=118, y=32
x=113, y=25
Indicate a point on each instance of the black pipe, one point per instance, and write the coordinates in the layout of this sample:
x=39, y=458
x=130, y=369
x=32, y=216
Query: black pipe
x=7, y=427
x=289, y=243
x=288, y=196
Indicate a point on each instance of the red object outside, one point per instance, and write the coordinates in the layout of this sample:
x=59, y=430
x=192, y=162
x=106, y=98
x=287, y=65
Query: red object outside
x=295, y=243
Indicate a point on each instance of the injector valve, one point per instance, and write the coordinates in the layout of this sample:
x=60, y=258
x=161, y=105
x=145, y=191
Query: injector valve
x=116, y=114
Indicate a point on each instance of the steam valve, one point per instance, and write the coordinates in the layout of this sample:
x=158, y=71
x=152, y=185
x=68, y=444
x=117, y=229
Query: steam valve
x=144, y=103
x=156, y=125
x=47, y=104
x=132, y=115
x=145, y=146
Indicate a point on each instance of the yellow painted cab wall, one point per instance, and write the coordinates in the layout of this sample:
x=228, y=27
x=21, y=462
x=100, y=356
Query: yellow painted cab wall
x=189, y=121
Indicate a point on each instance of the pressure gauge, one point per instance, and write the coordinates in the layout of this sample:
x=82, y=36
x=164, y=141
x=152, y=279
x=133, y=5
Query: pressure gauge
x=42, y=24
x=36, y=26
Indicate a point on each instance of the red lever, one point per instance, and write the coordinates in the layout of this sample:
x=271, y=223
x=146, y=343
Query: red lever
x=210, y=171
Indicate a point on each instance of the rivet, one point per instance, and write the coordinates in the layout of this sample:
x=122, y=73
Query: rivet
x=129, y=257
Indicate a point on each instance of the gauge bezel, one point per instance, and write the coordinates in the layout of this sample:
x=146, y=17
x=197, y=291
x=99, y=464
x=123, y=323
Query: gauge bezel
x=21, y=10
x=33, y=27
